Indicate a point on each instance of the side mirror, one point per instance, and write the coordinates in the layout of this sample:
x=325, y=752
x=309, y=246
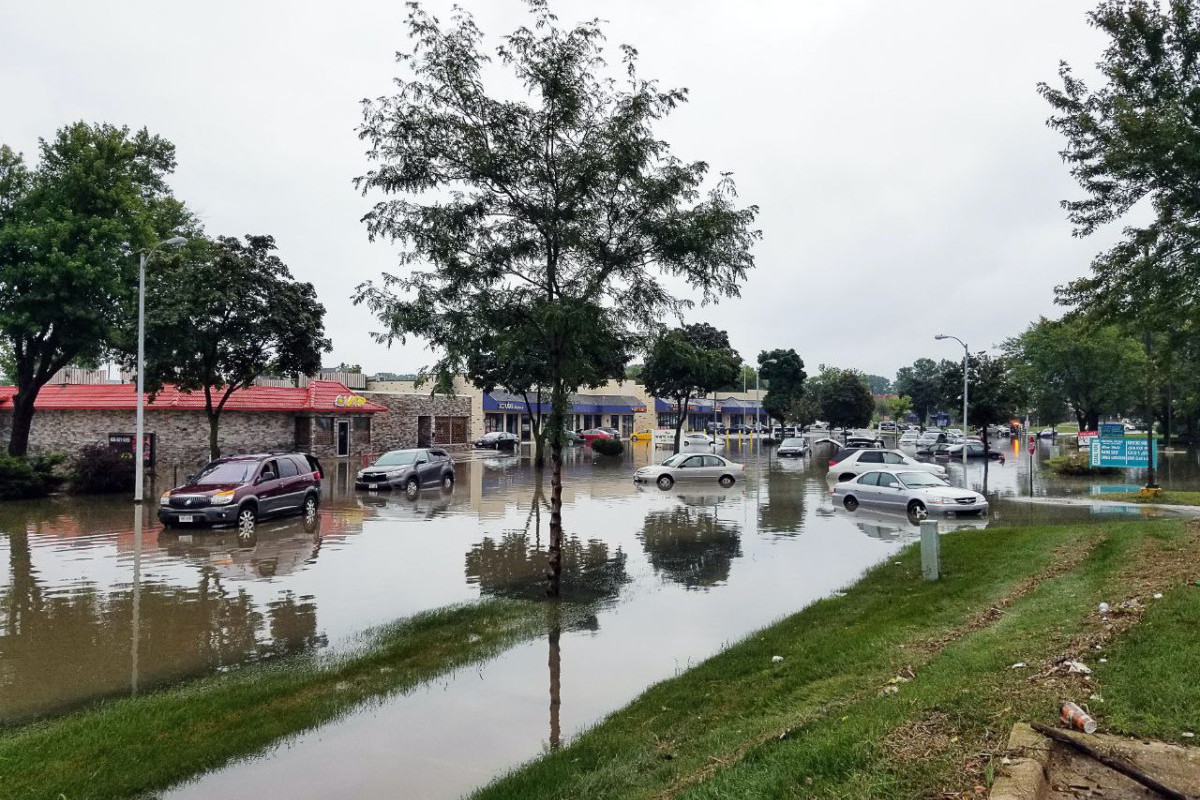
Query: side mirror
x=421, y=461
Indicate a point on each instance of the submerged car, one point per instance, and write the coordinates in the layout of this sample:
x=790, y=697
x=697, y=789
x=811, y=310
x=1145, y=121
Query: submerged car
x=244, y=489
x=592, y=434
x=408, y=469
x=974, y=450
x=792, y=448
x=497, y=440
x=849, y=462
x=691, y=467
x=918, y=494
x=909, y=437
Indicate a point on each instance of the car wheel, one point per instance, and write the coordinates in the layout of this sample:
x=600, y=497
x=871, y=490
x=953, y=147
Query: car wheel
x=917, y=511
x=850, y=502
x=310, y=505
x=665, y=482
x=247, y=519
x=726, y=481
x=411, y=486
x=448, y=481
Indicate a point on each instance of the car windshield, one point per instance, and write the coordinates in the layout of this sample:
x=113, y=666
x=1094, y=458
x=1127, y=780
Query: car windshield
x=396, y=458
x=226, y=472
x=792, y=443
x=674, y=460
x=919, y=479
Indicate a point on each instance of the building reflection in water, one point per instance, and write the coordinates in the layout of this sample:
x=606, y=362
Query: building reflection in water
x=689, y=543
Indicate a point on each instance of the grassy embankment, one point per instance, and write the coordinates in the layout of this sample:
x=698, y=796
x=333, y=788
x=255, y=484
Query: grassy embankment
x=905, y=688
x=125, y=747
x=1166, y=498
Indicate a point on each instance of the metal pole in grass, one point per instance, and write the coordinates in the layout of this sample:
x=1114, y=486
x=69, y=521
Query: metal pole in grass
x=931, y=554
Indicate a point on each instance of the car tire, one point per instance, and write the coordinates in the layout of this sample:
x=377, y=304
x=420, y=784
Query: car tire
x=448, y=481
x=247, y=520
x=726, y=481
x=917, y=512
x=665, y=482
x=411, y=487
x=310, y=504
x=850, y=502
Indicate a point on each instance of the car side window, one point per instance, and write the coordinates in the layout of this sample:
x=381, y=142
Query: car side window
x=886, y=479
x=870, y=479
x=713, y=461
x=871, y=458
x=694, y=461
x=287, y=468
x=893, y=458
x=269, y=466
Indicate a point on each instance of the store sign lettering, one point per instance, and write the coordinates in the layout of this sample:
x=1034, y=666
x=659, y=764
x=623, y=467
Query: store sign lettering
x=349, y=401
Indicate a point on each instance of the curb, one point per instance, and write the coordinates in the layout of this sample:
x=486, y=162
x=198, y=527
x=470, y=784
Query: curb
x=1022, y=774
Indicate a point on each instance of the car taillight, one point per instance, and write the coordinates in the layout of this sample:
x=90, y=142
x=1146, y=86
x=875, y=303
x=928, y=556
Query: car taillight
x=832, y=463
x=317, y=475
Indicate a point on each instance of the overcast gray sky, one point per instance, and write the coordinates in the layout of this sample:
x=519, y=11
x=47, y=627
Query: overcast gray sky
x=898, y=151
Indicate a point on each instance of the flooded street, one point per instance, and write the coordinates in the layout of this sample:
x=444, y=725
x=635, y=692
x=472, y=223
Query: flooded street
x=95, y=605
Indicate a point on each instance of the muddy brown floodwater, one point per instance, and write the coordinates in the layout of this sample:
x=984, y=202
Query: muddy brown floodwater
x=93, y=607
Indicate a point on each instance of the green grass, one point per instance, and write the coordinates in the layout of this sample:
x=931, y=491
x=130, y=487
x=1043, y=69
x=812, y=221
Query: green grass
x=139, y=744
x=1166, y=498
x=816, y=724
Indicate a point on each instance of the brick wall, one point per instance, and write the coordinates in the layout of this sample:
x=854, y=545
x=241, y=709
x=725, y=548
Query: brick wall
x=396, y=428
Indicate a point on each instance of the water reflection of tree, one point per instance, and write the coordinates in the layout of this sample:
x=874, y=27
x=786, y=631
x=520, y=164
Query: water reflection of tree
x=782, y=511
x=61, y=649
x=690, y=545
x=515, y=566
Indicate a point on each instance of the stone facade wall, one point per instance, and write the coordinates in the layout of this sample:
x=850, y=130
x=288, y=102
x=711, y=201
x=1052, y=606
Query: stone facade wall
x=396, y=428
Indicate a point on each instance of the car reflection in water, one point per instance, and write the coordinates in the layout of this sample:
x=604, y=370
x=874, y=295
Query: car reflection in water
x=428, y=503
x=269, y=549
x=890, y=526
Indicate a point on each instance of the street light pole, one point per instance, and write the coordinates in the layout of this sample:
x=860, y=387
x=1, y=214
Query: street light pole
x=966, y=356
x=139, y=475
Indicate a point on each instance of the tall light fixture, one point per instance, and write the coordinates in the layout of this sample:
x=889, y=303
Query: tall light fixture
x=140, y=435
x=966, y=355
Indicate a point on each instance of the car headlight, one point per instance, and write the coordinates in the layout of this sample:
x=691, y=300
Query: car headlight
x=222, y=498
x=165, y=500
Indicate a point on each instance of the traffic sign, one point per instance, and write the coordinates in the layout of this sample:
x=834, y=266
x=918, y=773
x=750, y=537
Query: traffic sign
x=1129, y=453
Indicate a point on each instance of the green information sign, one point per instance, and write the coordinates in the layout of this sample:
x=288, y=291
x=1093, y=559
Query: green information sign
x=1130, y=453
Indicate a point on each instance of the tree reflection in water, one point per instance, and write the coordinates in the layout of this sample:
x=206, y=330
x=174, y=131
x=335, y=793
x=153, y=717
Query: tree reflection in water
x=782, y=510
x=690, y=544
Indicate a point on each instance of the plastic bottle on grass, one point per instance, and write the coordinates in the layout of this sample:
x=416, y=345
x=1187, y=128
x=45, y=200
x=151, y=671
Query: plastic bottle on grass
x=1075, y=717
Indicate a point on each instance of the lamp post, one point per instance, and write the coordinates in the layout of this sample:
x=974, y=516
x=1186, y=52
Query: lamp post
x=139, y=436
x=966, y=356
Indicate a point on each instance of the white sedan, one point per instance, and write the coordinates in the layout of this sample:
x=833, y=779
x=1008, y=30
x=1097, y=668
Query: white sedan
x=691, y=467
x=909, y=437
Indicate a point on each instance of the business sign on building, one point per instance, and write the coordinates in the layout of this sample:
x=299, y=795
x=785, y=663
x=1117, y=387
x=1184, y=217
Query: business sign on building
x=126, y=445
x=1128, y=453
x=349, y=401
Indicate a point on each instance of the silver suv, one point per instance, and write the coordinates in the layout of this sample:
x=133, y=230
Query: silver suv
x=409, y=470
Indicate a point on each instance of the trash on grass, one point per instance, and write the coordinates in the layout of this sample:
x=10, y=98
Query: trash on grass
x=1104, y=608
x=776, y=659
x=1158, y=595
x=1078, y=667
x=1019, y=665
x=1075, y=717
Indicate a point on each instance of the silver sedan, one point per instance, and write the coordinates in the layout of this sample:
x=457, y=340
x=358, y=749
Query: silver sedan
x=919, y=494
x=689, y=467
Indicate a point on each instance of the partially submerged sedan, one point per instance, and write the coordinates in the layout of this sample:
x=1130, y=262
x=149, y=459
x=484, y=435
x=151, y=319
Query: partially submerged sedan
x=691, y=467
x=919, y=494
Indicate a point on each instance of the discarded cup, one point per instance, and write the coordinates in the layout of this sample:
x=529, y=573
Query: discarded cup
x=1104, y=608
x=1075, y=717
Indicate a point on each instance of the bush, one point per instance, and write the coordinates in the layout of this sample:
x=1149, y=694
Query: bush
x=23, y=478
x=608, y=447
x=98, y=469
x=1077, y=464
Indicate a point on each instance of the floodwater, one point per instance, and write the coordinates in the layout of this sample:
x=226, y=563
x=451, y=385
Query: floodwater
x=95, y=605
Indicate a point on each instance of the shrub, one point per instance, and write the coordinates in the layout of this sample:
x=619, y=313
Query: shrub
x=608, y=447
x=23, y=478
x=98, y=469
x=1077, y=464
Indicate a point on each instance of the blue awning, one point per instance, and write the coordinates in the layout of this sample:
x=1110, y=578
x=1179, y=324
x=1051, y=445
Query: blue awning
x=580, y=403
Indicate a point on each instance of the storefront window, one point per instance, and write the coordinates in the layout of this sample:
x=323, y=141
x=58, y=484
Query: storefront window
x=362, y=430
x=324, y=430
x=493, y=422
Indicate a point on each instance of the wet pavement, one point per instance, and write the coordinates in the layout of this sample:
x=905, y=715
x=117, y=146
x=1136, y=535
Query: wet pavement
x=94, y=605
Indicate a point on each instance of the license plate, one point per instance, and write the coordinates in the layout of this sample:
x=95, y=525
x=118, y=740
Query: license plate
x=186, y=517
x=185, y=537
x=374, y=487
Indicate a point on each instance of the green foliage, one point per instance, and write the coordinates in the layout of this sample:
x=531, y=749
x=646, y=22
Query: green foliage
x=689, y=362
x=608, y=447
x=556, y=206
x=1078, y=464
x=899, y=407
x=879, y=384
x=98, y=469
x=24, y=478
x=1096, y=370
x=70, y=229
x=783, y=372
x=222, y=312
x=994, y=394
x=922, y=383
x=842, y=397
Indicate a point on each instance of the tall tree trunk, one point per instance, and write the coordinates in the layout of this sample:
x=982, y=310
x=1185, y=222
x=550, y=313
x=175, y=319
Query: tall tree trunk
x=214, y=420
x=681, y=406
x=558, y=418
x=1093, y=421
x=555, y=664
x=22, y=420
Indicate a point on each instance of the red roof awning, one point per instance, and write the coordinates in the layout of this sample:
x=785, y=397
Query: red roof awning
x=319, y=396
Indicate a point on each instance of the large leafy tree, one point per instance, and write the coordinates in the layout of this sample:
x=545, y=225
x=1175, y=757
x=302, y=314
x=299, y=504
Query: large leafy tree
x=994, y=393
x=1095, y=369
x=783, y=372
x=70, y=230
x=844, y=398
x=689, y=362
x=223, y=312
x=922, y=384
x=557, y=201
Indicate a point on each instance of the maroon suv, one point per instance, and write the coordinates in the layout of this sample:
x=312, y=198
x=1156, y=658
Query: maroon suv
x=244, y=489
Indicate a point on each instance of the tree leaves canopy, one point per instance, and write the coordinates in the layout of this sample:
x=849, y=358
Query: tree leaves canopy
x=783, y=372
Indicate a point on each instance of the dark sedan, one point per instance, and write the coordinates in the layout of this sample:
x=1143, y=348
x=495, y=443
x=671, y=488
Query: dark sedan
x=497, y=440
